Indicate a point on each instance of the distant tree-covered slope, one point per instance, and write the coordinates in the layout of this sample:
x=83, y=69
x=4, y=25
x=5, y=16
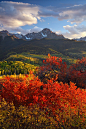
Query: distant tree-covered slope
x=44, y=46
x=8, y=44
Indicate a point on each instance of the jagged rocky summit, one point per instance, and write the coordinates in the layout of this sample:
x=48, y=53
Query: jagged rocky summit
x=45, y=33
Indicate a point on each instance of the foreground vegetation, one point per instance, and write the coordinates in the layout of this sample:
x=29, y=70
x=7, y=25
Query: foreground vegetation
x=52, y=97
x=24, y=62
x=15, y=67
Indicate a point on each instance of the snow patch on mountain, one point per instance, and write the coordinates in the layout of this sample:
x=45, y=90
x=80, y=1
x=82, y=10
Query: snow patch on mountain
x=27, y=37
x=30, y=36
x=43, y=35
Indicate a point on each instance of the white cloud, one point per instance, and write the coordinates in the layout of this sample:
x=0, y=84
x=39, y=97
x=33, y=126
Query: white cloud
x=71, y=29
x=35, y=29
x=74, y=36
x=20, y=30
x=19, y=14
x=14, y=29
x=47, y=12
x=74, y=14
x=58, y=32
x=16, y=14
x=75, y=31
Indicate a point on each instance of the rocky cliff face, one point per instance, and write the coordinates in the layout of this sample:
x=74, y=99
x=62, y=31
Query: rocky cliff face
x=45, y=33
x=4, y=33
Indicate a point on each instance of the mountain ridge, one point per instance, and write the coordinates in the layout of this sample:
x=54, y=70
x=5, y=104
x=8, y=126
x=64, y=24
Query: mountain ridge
x=9, y=43
x=30, y=36
x=81, y=39
x=45, y=33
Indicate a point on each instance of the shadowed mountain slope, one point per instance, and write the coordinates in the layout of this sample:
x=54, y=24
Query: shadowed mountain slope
x=43, y=46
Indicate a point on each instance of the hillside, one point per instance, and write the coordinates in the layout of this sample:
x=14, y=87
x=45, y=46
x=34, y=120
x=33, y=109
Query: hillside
x=71, y=48
x=8, y=44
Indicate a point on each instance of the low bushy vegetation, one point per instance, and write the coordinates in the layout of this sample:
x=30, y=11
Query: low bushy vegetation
x=52, y=97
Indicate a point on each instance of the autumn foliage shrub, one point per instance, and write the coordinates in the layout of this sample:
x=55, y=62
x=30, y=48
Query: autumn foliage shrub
x=53, y=66
x=52, y=96
x=75, y=73
x=50, y=68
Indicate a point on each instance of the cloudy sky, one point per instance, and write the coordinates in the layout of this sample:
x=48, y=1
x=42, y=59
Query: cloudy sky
x=67, y=17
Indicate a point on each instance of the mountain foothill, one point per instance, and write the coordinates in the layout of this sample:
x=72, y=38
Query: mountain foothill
x=43, y=42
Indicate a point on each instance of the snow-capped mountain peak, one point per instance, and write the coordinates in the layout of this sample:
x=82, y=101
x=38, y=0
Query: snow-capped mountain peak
x=45, y=33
